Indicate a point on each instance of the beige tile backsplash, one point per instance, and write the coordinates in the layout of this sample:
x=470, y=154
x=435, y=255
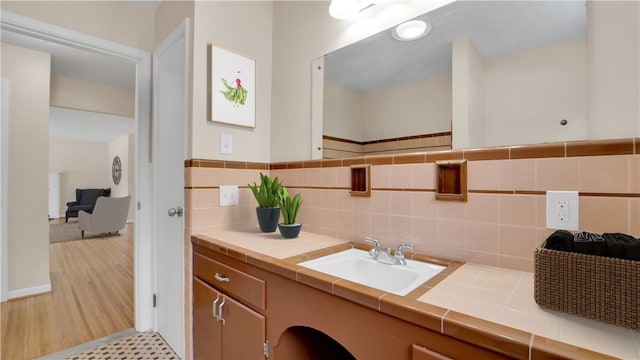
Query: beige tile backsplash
x=500, y=225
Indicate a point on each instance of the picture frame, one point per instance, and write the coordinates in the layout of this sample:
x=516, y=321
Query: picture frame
x=232, y=87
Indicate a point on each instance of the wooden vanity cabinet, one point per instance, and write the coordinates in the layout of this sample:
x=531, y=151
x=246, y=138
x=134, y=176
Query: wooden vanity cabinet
x=224, y=328
x=296, y=314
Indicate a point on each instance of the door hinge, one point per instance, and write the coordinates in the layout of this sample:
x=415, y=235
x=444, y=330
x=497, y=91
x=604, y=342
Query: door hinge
x=155, y=300
x=265, y=348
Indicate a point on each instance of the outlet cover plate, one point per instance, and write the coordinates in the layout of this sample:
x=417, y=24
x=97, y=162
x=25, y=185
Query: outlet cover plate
x=228, y=195
x=226, y=144
x=563, y=210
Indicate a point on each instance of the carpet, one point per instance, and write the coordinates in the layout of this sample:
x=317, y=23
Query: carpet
x=69, y=232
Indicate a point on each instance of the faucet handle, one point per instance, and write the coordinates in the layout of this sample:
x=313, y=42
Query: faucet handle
x=376, y=247
x=373, y=241
x=401, y=247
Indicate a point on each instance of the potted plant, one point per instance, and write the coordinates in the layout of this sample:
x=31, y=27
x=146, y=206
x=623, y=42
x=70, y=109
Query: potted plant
x=268, y=196
x=289, y=228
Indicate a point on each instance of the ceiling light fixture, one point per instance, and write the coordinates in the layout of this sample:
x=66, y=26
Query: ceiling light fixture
x=347, y=9
x=411, y=30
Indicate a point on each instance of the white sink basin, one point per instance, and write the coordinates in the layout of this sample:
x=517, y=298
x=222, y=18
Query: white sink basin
x=357, y=266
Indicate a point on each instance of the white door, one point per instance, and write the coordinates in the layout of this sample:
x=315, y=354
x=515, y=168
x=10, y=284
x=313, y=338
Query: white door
x=169, y=152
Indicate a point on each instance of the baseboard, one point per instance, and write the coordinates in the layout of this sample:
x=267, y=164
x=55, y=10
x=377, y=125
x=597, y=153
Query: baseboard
x=36, y=290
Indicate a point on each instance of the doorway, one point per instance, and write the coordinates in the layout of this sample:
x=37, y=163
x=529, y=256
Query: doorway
x=143, y=201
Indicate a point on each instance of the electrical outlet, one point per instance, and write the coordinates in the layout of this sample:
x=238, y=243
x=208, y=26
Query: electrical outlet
x=562, y=207
x=562, y=210
x=228, y=195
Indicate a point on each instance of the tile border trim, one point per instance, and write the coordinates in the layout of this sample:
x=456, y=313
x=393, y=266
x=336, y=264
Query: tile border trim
x=483, y=191
x=626, y=146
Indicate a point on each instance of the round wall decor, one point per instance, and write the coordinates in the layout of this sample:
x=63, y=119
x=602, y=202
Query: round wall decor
x=116, y=170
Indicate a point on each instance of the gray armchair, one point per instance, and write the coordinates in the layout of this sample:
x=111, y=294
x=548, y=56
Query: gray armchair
x=109, y=216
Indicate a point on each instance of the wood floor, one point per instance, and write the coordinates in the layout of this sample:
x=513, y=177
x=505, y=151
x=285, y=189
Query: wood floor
x=91, y=297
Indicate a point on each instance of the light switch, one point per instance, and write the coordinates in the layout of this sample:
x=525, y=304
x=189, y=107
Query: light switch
x=562, y=210
x=228, y=195
x=226, y=144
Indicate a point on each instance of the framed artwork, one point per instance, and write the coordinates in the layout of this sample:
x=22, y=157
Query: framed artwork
x=232, y=87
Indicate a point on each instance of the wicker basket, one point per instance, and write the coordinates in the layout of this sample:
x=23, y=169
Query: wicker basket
x=594, y=287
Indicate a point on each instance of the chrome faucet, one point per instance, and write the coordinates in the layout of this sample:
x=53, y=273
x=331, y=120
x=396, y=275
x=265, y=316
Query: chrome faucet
x=398, y=257
x=378, y=253
x=384, y=256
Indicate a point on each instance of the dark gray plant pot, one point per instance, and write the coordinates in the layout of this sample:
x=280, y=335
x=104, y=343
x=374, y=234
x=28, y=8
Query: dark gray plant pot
x=289, y=231
x=268, y=218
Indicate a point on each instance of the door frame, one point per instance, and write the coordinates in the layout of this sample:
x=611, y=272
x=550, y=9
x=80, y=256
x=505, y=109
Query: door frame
x=4, y=198
x=143, y=270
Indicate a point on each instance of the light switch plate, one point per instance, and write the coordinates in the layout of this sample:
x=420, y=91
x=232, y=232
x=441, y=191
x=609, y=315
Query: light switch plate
x=563, y=210
x=228, y=195
x=226, y=144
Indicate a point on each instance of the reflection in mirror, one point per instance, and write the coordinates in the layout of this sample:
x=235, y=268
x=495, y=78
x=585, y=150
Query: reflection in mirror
x=489, y=73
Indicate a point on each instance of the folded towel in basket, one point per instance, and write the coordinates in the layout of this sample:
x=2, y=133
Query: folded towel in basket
x=622, y=246
x=561, y=240
x=583, y=242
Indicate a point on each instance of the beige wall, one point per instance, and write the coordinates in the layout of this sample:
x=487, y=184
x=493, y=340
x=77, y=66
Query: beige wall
x=124, y=148
x=467, y=75
x=169, y=15
x=82, y=165
x=244, y=27
x=119, y=21
x=415, y=109
x=528, y=93
x=344, y=118
x=477, y=98
x=613, y=45
x=78, y=94
x=28, y=72
x=418, y=108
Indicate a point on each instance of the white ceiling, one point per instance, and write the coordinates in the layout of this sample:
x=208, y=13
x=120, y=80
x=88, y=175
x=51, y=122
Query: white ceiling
x=497, y=28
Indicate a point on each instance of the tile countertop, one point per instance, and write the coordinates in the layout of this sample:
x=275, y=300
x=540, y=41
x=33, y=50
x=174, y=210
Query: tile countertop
x=473, y=302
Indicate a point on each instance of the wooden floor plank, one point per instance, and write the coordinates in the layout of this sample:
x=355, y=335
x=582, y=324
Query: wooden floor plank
x=91, y=297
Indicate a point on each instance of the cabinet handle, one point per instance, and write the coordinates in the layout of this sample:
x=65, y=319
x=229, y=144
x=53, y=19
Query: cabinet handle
x=215, y=303
x=220, y=318
x=221, y=278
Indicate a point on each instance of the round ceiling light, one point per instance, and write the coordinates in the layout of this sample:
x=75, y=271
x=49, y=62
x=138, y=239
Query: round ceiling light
x=411, y=30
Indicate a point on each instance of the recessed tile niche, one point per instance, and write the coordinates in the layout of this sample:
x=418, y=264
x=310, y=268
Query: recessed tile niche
x=361, y=180
x=452, y=180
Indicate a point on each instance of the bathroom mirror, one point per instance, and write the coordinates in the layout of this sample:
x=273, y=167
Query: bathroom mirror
x=491, y=72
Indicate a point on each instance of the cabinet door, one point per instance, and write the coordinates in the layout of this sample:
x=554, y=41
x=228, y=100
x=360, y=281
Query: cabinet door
x=207, y=331
x=243, y=331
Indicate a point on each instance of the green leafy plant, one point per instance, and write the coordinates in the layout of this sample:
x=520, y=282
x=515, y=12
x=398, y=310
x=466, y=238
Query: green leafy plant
x=289, y=206
x=269, y=192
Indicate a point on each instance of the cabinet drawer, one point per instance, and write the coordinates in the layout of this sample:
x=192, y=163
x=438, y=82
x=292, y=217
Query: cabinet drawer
x=242, y=286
